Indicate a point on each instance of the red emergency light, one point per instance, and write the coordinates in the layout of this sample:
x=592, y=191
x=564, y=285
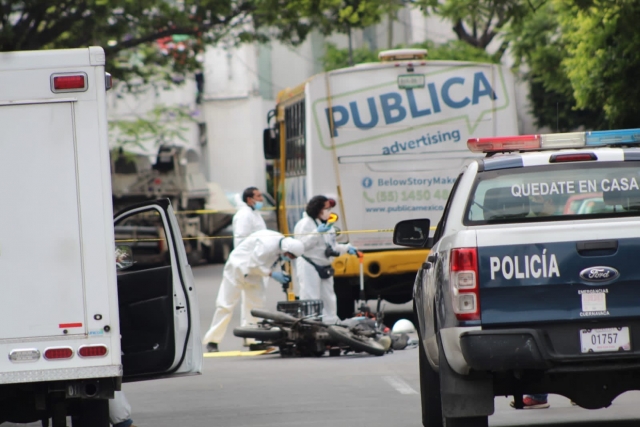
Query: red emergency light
x=504, y=143
x=76, y=82
x=92, y=351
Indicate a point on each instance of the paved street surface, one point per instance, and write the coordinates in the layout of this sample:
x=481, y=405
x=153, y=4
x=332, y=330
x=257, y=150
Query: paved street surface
x=268, y=391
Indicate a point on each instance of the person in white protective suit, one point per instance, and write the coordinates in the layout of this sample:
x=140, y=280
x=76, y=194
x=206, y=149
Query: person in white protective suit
x=257, y=257
x=320, y=247
x=247, y=220
x=120, y=411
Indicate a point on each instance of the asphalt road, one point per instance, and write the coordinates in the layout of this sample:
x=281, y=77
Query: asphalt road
x=266, y=391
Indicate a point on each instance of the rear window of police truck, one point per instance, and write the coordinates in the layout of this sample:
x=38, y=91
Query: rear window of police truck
x=555, y=192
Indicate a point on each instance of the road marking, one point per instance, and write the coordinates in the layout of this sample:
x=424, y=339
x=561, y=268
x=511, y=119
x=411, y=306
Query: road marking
x=400, y=385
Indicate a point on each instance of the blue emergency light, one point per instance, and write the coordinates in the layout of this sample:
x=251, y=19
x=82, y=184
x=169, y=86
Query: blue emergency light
x=554, y=141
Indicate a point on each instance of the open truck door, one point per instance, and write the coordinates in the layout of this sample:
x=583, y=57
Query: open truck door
x=159, y=321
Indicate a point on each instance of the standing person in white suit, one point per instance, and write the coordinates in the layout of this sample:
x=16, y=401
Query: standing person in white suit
x=255, y=259
x=320, y=247
x=246, y=221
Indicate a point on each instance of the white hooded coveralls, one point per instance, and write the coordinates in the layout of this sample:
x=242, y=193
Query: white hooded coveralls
x=119, y=408
x=315, y=244
x=248, y=264
x=246, y=221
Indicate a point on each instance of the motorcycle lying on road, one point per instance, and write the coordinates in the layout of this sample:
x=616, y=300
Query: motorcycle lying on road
x=307, y=335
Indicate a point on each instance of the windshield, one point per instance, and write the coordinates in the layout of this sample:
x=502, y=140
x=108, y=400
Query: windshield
x=555, y=192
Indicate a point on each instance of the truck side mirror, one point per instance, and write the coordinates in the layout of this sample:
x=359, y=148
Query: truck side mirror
x=413, y=233
x=271, y=144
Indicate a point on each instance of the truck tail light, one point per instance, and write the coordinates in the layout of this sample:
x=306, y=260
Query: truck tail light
x=464, y=283
x=92, y=351
x=59, y=353
x=75, y=82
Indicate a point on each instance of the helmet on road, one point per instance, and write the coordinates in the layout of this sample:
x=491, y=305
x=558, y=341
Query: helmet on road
x=403, y=326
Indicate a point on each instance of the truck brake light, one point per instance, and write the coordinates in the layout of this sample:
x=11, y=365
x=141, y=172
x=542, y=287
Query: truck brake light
x=464, y=283
x=58, y=353
x=92, y=351
x=76, y=82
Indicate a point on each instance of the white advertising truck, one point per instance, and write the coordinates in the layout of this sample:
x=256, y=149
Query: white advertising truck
x=386, y=140
x=73, y=327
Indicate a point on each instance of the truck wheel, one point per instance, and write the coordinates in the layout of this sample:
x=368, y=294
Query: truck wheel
x=220, y=250
x=345, y=297
x=91, y=413
x=429, y=391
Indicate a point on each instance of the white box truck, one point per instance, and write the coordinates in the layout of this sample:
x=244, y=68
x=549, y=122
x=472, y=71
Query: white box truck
x=72, y=327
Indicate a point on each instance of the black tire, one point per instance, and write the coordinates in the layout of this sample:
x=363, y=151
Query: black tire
x=91, y=413
x=357, y=343
x=429, y=391
x=259, y=333
x=466, y=422
x=346, y=295
x=457, y=422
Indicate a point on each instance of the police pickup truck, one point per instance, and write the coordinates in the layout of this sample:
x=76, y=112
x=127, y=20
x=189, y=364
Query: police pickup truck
x=532, y=284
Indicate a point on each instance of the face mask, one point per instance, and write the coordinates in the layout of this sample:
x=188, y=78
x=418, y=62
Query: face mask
x=285, y=258
x=324, y=214
x=258, y=205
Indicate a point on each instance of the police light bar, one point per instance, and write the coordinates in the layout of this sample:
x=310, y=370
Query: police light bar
x=554, y=141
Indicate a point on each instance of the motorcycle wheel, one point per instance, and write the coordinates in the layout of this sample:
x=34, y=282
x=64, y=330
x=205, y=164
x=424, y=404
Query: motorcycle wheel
x=258, y=333
x=356, y=342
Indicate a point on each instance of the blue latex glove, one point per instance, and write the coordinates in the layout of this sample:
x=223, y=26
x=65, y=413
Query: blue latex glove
x=281, y=277
x=323, y=228
x=352, y=251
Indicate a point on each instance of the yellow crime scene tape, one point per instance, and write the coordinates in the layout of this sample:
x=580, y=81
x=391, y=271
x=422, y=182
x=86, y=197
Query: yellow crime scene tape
x=210, y=211
x=390, y=230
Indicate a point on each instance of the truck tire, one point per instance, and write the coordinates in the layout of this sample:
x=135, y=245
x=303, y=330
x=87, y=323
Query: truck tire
x=219, y=251
x=429, y=391
x=445, y=369
x=346, y=295
x=91, y=413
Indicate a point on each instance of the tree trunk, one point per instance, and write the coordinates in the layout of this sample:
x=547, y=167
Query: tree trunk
x=390, y=31
x=350, y=46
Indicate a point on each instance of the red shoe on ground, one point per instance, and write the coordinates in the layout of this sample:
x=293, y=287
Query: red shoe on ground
x=530, y=403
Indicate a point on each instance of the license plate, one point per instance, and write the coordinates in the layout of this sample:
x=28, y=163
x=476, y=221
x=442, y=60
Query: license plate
x=606, y=339
x=411, y=81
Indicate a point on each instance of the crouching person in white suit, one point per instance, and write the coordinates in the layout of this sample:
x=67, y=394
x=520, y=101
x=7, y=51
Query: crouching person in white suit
x=257, y=257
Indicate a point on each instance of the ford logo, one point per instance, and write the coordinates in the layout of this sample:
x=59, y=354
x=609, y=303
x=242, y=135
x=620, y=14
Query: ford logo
x=599, y=274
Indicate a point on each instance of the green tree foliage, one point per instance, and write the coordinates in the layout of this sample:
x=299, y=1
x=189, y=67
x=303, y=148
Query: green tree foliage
x=147, y=38
x=581, y=61
x=602, y=64
x=539, y=49
x=479, y=22
x=335, y=58
x=343, y=16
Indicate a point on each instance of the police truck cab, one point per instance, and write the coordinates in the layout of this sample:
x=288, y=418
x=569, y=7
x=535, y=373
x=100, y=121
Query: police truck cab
x=532, y=284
